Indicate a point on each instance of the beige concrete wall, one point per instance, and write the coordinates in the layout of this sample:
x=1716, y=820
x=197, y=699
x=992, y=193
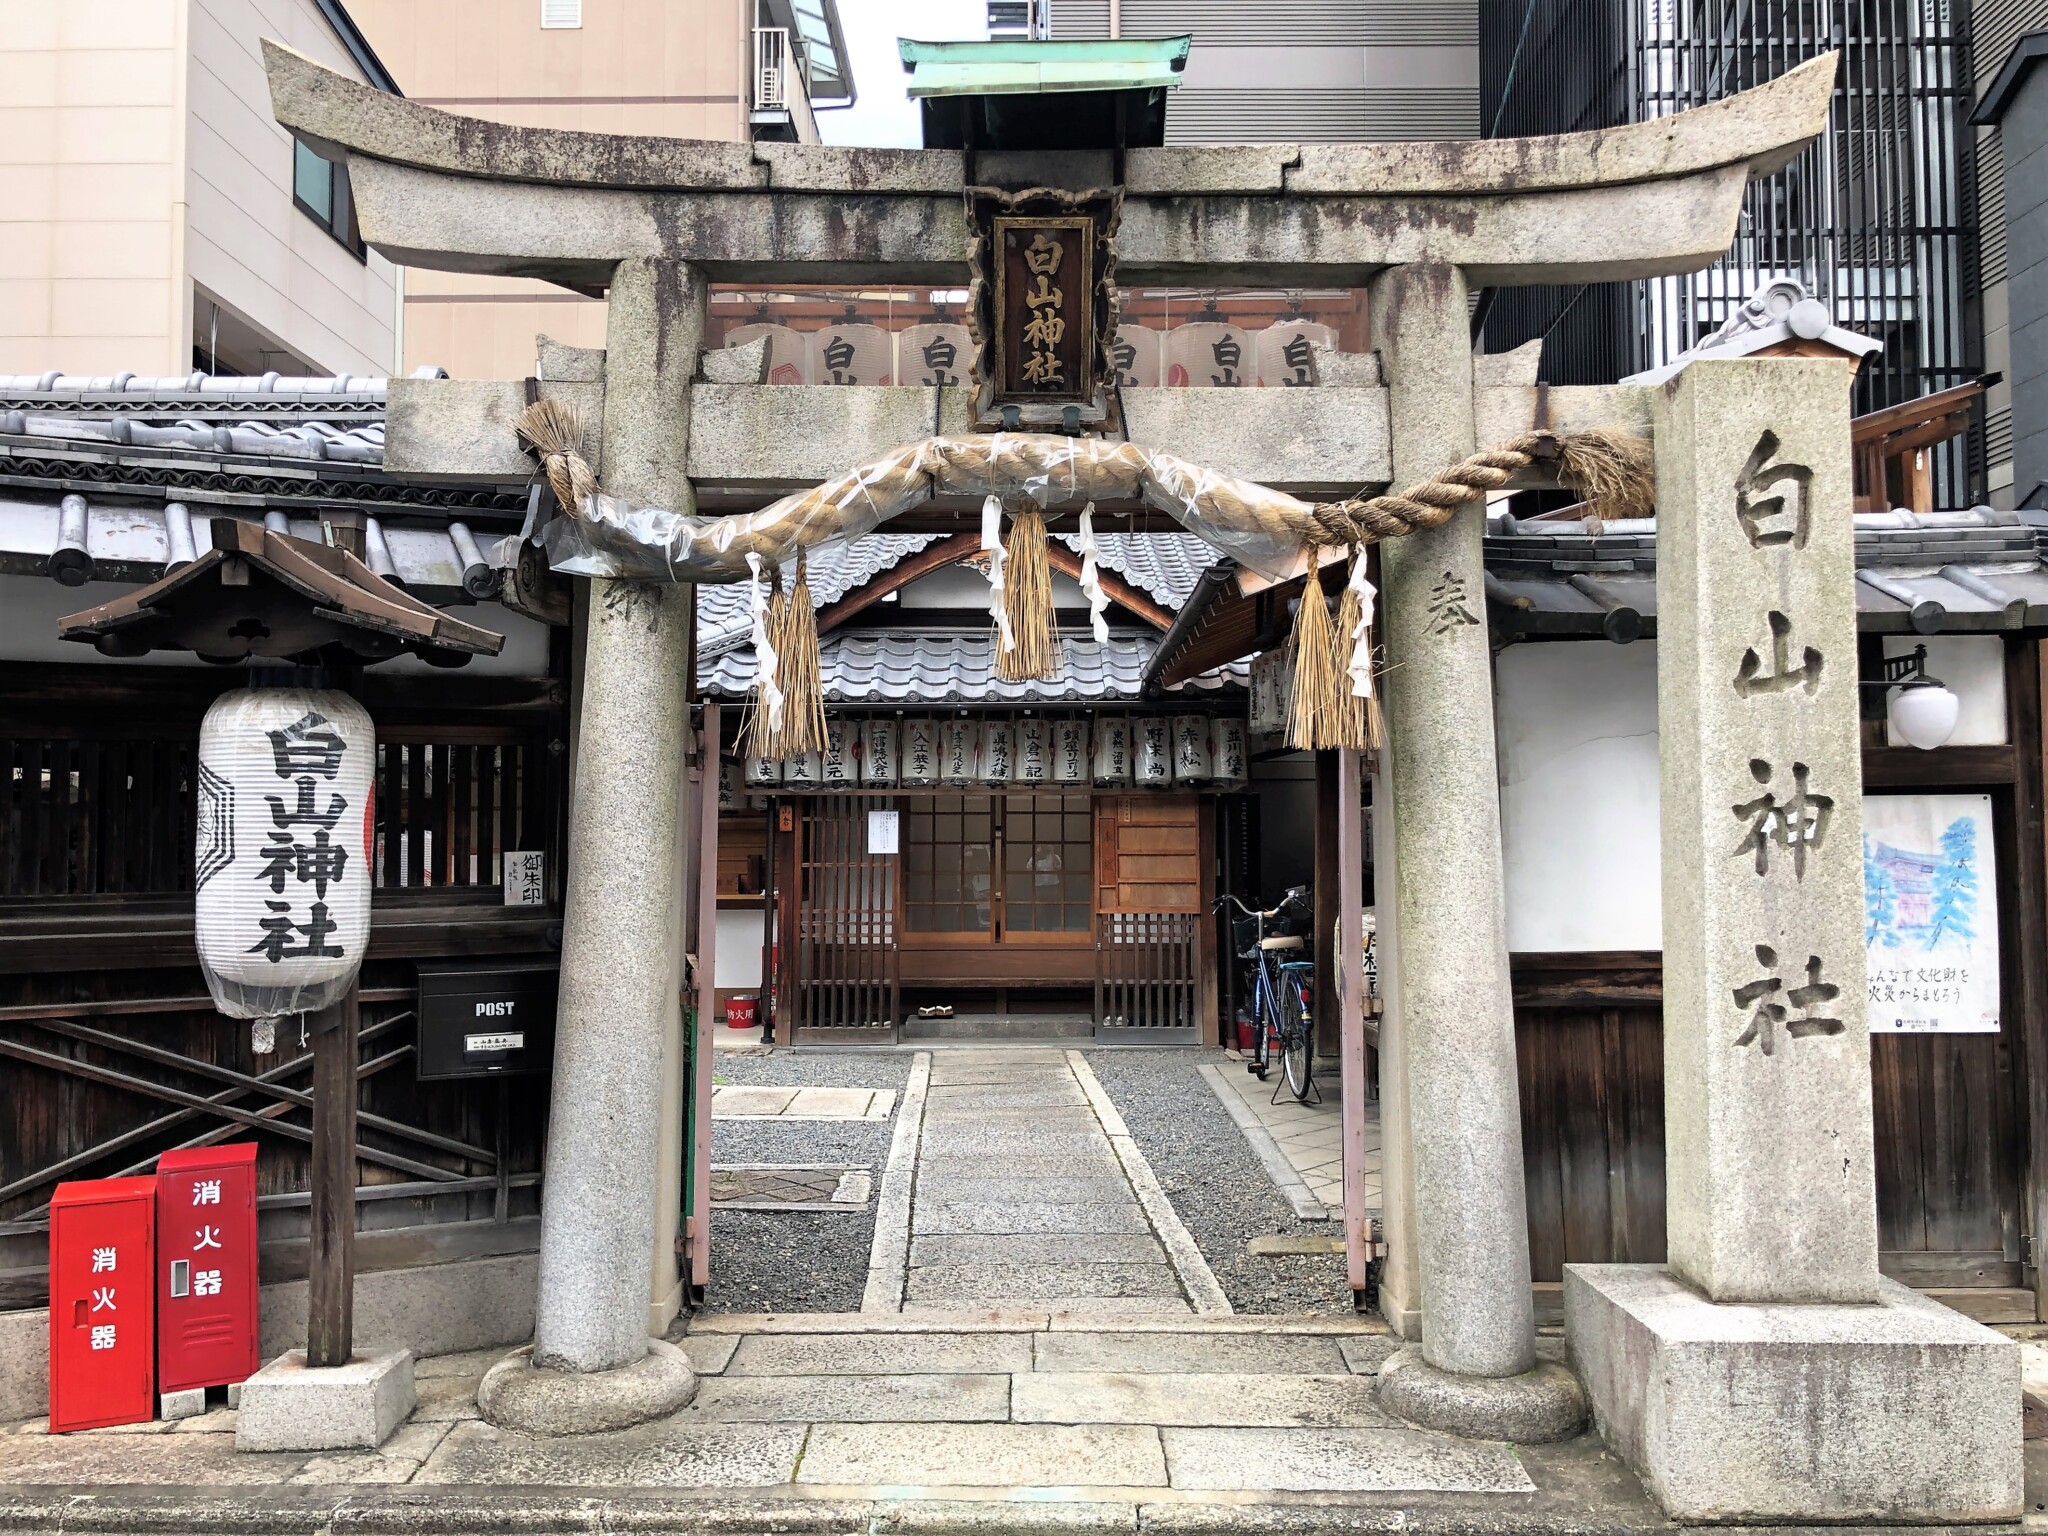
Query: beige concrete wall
x=91, y=103
x=139, y=161
x=672, y=67
x=246, y=244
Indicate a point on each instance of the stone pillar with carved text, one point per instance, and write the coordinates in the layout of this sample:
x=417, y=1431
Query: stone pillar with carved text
x=1475, y=1371
x=1830, y=1392
x=593, y=1365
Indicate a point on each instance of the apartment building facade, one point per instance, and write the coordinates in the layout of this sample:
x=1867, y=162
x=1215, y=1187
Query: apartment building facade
x=695, y=69
x=1880, y=218
x=1296, y=71
x=154, y=218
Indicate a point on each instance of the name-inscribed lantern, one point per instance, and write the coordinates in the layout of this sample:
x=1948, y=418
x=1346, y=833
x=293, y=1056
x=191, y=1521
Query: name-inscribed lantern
x=728, y=786
x=838, y=770
x=1192, y=763
x=766, y=771
x=1034, y=752
x=959, y=751
x=283, y=856
x=1233, y=755
x=1153, y=752
x=920, y=768
x=804, y=769
x=1070, y=751
x=878, y=753
x=1113, y=750
x=998, y=752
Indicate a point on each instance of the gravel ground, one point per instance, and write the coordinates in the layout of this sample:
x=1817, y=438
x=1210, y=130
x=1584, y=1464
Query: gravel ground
x=798, y=1261
x=1217, y=1186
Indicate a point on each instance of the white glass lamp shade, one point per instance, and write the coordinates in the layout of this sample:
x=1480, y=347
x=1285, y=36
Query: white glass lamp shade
x=1925, y=716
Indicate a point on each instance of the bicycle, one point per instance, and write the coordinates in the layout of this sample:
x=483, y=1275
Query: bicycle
x=1281, y=989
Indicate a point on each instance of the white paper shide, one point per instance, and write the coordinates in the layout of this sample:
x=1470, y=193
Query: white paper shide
x=283, y=856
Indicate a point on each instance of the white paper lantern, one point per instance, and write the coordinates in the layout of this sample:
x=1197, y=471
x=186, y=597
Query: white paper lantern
x=1034, y=752
x=1233, y=753
x=1152, y=752
x=284, y=852
x=764, y=771
x=920, y=767
x=1192, y=762
x=838, y=769
x=1113, y=750
x=959, y=752
x=998, y=752
x=878, y=752
x=1070, y=752
x=802, y=771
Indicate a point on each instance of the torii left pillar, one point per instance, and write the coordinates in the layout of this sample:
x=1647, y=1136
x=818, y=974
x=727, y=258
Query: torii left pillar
x=592, y=1366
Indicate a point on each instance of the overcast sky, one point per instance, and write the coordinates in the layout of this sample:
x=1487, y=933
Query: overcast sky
x=884, y=115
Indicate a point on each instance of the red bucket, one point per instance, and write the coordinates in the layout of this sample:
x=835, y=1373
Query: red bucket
x=739, y=1011
x=1245, y=1035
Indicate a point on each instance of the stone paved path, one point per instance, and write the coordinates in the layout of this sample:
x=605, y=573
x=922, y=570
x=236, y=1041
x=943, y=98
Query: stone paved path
x=1027, y=1192
x=988, y=1404
x=1306, y=1140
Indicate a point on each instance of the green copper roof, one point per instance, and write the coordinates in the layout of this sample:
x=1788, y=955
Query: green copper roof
x=1032, y=68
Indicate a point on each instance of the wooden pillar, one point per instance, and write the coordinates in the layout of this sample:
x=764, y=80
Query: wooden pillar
x=1347, y=968
x=331, y=1269
x=1328, y=873
x=707, y=1002
x=1208, y=999
x=2027, y=691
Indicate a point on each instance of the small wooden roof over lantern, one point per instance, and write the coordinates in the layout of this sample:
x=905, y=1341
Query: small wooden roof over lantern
x=258, y=592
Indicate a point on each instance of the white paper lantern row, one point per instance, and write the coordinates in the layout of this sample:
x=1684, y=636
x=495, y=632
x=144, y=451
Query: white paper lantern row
x=1150, y=752
x=283, y=859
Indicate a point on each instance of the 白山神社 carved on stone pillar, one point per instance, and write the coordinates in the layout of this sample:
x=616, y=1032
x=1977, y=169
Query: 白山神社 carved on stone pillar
x=1770, y=1119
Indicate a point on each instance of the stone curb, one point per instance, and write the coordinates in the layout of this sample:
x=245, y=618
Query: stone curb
x=1205, y=1295
x=1293, y=1188
x=889, y=1254
x=708, y=1512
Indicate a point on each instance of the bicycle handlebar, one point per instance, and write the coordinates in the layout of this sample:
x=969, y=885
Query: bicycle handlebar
x=1285, y=902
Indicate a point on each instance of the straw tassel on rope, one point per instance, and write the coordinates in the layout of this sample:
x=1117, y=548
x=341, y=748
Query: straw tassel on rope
x=552, y=431
x=1027, y=599
x=799, y=671
x=1318, y=673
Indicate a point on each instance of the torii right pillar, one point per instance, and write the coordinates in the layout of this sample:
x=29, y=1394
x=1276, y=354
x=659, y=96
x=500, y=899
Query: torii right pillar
x=1769, y=1373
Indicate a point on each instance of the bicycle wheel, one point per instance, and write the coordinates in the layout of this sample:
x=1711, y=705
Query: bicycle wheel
x=1298, y=1046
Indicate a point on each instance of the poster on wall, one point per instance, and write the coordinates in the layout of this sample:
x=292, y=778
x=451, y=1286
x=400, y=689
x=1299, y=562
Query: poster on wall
x=1930, y=904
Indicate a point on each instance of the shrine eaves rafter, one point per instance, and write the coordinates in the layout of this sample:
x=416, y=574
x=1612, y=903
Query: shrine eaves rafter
x=438, y=190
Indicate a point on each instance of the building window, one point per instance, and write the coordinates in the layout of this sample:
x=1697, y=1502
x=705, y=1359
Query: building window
x=320, y=188
x=1043, y=844
x=561, y=13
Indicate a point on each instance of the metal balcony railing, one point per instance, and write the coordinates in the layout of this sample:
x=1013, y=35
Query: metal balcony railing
x=772, y=67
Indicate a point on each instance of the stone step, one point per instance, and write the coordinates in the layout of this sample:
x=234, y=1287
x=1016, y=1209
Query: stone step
x=1001, y=1026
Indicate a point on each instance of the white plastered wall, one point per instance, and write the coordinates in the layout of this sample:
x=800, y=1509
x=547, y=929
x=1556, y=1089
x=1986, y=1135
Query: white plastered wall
x=1576, y=726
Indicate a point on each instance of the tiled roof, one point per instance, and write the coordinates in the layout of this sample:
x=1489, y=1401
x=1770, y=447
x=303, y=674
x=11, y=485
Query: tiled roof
x=724, y=613
x=958, y=667
x=1929, y=573
x=356, y=441
x=1165, y=565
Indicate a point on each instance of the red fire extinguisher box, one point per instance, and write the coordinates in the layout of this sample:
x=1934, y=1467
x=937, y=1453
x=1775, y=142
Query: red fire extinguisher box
x=206, y=1266
x=102, y=1349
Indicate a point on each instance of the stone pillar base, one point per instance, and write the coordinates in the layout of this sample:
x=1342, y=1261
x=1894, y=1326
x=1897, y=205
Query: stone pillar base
x=517, y=1394
x=1533, y=1408
x=1902, y=1411
x=290, y=1406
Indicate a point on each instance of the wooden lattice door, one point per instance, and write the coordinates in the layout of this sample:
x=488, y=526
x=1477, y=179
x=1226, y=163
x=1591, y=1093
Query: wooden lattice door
x=846, y=972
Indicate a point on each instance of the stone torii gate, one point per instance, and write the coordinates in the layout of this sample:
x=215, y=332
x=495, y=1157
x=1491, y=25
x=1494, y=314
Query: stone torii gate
x=650, y=222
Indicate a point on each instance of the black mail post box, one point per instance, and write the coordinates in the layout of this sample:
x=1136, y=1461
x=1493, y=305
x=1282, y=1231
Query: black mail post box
x=486, y=1018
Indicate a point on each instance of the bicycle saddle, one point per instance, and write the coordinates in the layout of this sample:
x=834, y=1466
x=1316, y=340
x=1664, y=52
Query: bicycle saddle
x=1282, y=941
